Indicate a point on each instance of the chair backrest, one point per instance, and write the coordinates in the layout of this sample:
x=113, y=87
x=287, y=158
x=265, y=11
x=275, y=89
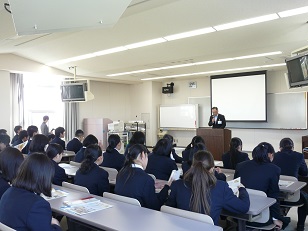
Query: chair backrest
x=296, y=195
x=151, y=175
x=75, y=187
x=264, y=216
x=228, y=171
x=112, y=173
x=75, y=163
x=4, y=227
x=187, y=214
x=124, y=199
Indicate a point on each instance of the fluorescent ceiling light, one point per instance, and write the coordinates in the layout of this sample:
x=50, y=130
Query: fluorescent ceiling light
x=145, y=43
x=214, y=72
x=246, y=22
x=189, y=34
x=110, y=51
x=296, y=11
x=196, y=64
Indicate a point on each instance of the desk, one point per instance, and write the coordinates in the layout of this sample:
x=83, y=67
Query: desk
x=126, y=217
x=70, y=170
x=67, y=156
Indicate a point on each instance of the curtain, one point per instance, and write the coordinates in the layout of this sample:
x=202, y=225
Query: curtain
x=71, y=119
x=17, y=91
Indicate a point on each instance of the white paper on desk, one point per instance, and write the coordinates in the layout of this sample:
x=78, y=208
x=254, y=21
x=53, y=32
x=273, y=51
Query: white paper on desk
x=234, y=185
x=285, y=183
x=85, y=207
x=55, y=193
x=175, y=175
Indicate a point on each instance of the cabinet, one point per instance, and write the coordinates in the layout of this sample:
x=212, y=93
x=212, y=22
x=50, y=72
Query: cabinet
x=124, y=139
x=132, y=127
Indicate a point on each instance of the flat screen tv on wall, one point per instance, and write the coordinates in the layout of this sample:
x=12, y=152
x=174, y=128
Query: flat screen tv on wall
x=298, y=70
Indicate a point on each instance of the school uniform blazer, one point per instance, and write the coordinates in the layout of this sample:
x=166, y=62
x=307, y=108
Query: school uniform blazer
x=221, y=197
x=24, y=210
x=113, y=159
x=219, y=176
x=240, y=157
x=185, y=154
x=4, y=185
x=60, y=175
x=160, y=166
x=175, y=156
x=79, y=157
x=57, y=140
x=96, y=180
x=25, y=150
x=15, y=138
x=263, y=177
x=220, y=122
x=291, y=163
x=19, y=141
x=141, y=187
x=74, y=145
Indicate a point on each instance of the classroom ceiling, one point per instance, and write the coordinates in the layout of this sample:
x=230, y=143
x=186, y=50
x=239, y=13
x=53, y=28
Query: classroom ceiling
x=150, y=19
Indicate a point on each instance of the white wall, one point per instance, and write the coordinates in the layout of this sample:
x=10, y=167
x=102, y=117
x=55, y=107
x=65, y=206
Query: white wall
x=6, y=101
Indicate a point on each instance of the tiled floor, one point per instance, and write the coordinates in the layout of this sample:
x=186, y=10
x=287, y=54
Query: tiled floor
x=292, y=226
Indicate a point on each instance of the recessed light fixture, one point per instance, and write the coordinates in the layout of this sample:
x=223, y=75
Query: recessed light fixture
x=145, y=43
x=190, y=34
x=288, y=13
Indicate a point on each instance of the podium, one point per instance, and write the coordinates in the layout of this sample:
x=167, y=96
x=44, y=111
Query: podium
x=216, y=140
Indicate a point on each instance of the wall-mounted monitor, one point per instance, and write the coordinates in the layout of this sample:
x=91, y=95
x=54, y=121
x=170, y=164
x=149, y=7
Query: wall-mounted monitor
x=298, y=70
x=73, y=92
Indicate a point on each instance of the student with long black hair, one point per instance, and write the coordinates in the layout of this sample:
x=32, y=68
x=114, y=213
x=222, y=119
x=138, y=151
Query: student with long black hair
x=189, y=148
x=137, y=138
x=21, y=206
x=54, y=152
x=10, y=160
x=173, y=154
x=200, y=192
x=90, y=139
x=90, y=175
x=234, y=155
x=38, y=144
x=133, y=181
x=112, y=157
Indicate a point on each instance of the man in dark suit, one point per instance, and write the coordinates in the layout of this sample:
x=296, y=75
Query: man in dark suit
x=217, y=120
x=76, y=143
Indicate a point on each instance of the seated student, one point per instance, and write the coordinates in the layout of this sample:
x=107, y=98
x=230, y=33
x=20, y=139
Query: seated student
x=160, y=164
x=133, y=181
x=10, y=160
x=186, y=152
x=22, y=137
x=17, y=130
x=293, y=163
x=90, y=139
x=21, y=206
x=235, y=154
x=75, y=144
x=200, y=192
x=59, y=133
x=112, y=157
x=3, y=132
x=38, y=144
x=50, y=137
x=260, y=174
x=4, y=141
x=173, y=154
x=54, y=152
x=137, y=138
x=32, y=131
x=89, y=175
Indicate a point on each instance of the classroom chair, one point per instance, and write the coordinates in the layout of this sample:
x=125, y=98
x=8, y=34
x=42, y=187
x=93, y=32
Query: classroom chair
x=112, y=173
x=4, y=227
x=124, y=199
x=264, y=216
x=187, y=214
x=75, y=163
x=75, y=187
x=151, y=175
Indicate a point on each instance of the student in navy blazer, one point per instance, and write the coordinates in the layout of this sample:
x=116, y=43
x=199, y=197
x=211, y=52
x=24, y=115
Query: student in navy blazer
x=293, y=164
x=160, y=164
x=17, y=130
x=137, y=138
x=54, y=152
x=260, y=174
x=133, y=181
x=59, y=132
x=90, y=175
x=90, y=139
x=22, y=137
x=10, y=160
x=112, y=157
x=75, y=144
x=173, y=154
x=21, y=206
x=189, y=148
x=200, y=192
x=234, y=155
x=32, y=131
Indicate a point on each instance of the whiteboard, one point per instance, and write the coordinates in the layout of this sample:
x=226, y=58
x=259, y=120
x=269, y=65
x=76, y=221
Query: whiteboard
x=179, y=116
x=204, y=108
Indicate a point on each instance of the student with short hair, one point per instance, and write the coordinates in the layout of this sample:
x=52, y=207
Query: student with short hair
x=234, y=155
x=90, y=139
x=17, y=130
x=59, y=133
x=3, y=131
x=112, y=157
x=160, y=164
x=4, y=141
x=10, y=160
x=201, y=192
x=90, y=175
x=22, y=137
x=38, y=144
x=132, y=181
x=54, y=152
x=75, y=144
x=32, y=131
x=21, y=206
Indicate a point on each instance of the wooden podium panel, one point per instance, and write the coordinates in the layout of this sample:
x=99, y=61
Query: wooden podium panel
x=216, y=140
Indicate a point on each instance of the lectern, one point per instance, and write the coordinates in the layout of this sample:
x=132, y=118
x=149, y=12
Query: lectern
x=216, y=140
